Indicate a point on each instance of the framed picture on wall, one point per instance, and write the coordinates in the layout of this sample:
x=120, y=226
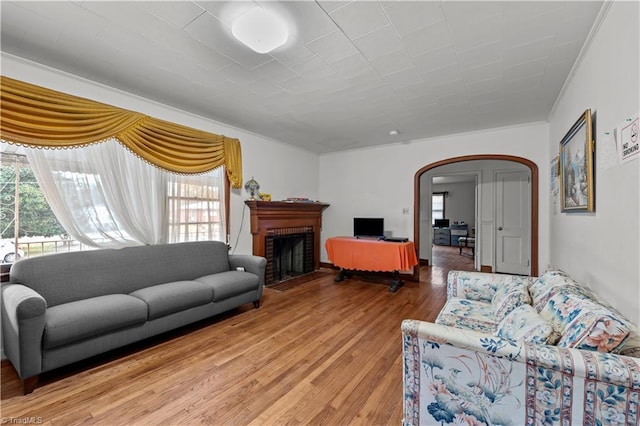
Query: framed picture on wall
x=576, y=167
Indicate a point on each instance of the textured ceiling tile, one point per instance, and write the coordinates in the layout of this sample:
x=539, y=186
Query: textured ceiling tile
x=351, y=66
x=408, y=16
x=478, y=33
x=428, y=38
x=484, y=87
x=526, y=83
x=444, y=75
x=305, y=20
x=275, y=71
x=540, y=27
x=193, y=50
x=476, y=100
x=470, y=12
x=332, y=47
x=392, y=63
x=239, y=74
x=379, y=43
x=526, y=52
x=57, y=12
x=483, y=72
x=227, y=11
x=312, y=68
x=263, y=88
x=436, y=59
x=331, y=5
x=300, y=85
x=294, y=51
x=359, y=18
x=407, y=77
x=526, y=69
x=176, y=13
x=367, y=79
x=479, y=55
x=516, y=12
x=126, y=14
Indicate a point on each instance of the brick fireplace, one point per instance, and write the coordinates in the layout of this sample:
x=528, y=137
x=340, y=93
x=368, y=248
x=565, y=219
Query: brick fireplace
x=288, y=236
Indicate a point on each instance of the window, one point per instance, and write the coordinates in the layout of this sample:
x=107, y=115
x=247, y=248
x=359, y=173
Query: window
x=196, y=207
x=26, y=215
x=437, y=206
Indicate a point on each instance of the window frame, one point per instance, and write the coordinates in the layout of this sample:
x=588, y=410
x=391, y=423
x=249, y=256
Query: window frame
x=442, y=194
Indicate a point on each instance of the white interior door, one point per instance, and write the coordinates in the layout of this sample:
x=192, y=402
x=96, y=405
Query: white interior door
x=513, y=198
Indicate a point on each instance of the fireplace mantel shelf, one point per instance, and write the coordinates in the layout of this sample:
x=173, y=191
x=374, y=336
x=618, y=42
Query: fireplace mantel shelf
x=267, y=206
x=267, y=216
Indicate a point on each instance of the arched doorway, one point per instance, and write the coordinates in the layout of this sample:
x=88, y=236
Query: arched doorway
x=534, y=199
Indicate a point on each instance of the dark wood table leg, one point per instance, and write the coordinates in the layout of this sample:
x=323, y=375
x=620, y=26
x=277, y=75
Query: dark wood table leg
x=342, y=275
x=396, y=283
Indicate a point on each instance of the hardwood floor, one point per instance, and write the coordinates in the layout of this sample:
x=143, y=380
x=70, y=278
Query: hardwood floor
x=319, y=353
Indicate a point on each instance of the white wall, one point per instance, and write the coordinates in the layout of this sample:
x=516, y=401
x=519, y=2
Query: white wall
x=602, y=249
x=282, y=170
x=380, y=181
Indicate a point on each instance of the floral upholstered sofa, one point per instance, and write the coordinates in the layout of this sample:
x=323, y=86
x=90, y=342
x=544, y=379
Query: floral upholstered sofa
x=513, y=350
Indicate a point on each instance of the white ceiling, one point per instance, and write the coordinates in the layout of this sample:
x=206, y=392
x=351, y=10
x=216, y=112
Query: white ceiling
x=349, y=73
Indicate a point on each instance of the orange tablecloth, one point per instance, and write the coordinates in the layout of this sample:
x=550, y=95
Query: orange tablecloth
x=371, y=255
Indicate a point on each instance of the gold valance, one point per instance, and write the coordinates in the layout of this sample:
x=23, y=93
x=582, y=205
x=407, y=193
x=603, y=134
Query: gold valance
x=36, y=116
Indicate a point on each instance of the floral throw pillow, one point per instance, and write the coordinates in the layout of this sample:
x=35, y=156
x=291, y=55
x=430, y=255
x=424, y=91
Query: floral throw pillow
x=510, y=295
x=524, y=323
x=594, y=331
x=584, y=324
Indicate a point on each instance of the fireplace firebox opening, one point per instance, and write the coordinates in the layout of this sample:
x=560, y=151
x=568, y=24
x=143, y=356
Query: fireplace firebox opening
x=288, y=255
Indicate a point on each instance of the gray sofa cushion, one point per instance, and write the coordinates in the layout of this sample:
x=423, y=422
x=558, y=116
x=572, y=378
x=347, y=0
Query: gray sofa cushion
x=67, y=277
x=75, y=321
x=231, y=283
x=165, y=299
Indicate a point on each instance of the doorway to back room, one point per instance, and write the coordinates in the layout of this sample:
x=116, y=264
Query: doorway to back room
x=495, y=246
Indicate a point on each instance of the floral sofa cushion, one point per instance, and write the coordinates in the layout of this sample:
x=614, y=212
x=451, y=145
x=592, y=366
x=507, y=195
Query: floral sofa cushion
x=469, y=314
x=583, y=323
x=510, y=295
x=524, y=323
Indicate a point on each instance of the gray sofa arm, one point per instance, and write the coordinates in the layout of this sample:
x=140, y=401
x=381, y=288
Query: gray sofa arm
x=23, y=318
x=254, y=264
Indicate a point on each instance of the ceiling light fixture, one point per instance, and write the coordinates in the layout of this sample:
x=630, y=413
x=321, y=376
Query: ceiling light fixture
x=260, y=30
x=393, y=133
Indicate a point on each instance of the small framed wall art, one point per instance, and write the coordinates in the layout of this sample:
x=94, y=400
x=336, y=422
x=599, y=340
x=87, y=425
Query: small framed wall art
x=576, y=167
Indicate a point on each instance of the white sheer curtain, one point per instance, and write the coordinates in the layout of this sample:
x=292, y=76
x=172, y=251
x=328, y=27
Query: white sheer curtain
x=103, y=195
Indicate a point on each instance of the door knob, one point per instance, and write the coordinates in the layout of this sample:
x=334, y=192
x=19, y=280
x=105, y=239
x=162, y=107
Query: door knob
x=499, y=228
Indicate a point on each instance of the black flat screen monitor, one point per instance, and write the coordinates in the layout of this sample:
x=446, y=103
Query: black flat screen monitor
x=441, y=223
x=368, y=227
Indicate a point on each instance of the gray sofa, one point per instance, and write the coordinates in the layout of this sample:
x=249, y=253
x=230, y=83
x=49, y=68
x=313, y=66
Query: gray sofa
x=62, y=308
